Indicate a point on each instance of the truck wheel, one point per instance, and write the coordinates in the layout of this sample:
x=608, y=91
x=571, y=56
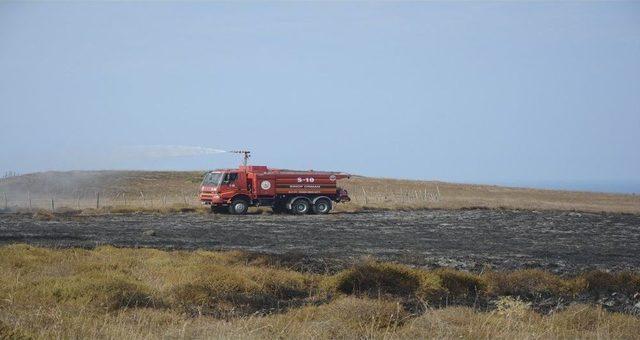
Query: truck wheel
x=300, y=206
x=322, y=206
x=238, y=206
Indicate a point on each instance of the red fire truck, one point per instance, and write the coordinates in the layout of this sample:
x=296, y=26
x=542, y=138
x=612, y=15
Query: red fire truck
x=297, y=192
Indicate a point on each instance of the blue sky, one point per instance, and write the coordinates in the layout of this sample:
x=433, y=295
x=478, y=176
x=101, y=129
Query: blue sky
x=484, y=92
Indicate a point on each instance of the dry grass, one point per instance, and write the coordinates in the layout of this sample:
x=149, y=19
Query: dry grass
x=375, y=279
x=531, y=282
x=162, y=191
x=405, y=194
x=146, y=293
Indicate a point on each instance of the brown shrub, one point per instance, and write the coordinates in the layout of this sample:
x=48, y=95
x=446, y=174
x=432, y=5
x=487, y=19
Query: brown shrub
x=527, y=283
x=376, y=279
x=227, y=291
x=461, y=284
x=43, y=215
x=103, y=289
x=599, y=282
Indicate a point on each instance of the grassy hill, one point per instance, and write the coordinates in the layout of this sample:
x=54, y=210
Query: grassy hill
x=146, y=189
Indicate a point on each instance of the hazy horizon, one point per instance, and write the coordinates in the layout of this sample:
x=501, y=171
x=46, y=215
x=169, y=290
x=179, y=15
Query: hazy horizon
x=601, y=186
x=522, y=94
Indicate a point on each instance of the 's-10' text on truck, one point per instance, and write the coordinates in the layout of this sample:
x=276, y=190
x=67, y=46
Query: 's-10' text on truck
x=297, y=192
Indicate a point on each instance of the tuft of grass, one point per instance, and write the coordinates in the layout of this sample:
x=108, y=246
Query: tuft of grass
x=230, y=290
x=530, y=283
x=375, y=279
x=599, y=282
x=43, y=215
x=512, y=308
x=103, y=289
x=461, y=285
x=12, y=332
x=352, y=317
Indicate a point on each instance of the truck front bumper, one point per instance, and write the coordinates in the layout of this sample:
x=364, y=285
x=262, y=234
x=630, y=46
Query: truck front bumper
x=211, y=199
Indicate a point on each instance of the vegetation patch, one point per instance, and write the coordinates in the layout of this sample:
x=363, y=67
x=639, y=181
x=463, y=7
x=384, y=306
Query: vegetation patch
x=530, y=283
x=375, y=279
x=599, y=282
x=11, y=332
x=229, y=291
x=461, y=285
x=110, y=292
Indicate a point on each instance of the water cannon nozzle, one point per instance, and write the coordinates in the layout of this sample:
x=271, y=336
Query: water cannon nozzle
x=245, y=153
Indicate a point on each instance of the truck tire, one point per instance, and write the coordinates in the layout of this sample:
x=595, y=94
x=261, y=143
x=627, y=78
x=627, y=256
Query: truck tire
x=238, y=206
x=300, y=206
x=322, y=206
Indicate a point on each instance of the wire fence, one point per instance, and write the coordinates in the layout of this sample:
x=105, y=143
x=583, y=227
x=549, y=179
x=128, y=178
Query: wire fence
x=94, y=199
x=382, y=194
x=9, y=174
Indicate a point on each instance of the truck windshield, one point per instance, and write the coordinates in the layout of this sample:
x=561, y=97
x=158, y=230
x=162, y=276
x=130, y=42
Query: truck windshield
x=212, y=179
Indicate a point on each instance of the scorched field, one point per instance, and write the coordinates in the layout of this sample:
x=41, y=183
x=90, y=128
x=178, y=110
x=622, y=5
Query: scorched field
x=474, y=239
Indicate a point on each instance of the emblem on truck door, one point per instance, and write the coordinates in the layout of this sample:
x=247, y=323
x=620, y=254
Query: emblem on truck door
x=265, y=185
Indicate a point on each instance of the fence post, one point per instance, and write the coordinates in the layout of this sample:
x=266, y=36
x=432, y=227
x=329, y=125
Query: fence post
x=114, y=199
x=53, y=205
x=29, y=199
x=438, y=190
x=97, y=199
x=143, y=201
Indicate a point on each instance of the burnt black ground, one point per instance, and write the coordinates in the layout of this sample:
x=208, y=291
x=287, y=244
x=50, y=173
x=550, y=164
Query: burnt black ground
x=560, y=242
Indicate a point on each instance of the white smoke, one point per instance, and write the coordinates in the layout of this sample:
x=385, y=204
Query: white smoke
x=165, y=151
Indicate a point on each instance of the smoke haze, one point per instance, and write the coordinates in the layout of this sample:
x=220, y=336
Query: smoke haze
x=166, y=151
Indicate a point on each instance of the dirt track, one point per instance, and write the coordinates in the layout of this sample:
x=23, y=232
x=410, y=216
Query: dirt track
x=470, y=239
